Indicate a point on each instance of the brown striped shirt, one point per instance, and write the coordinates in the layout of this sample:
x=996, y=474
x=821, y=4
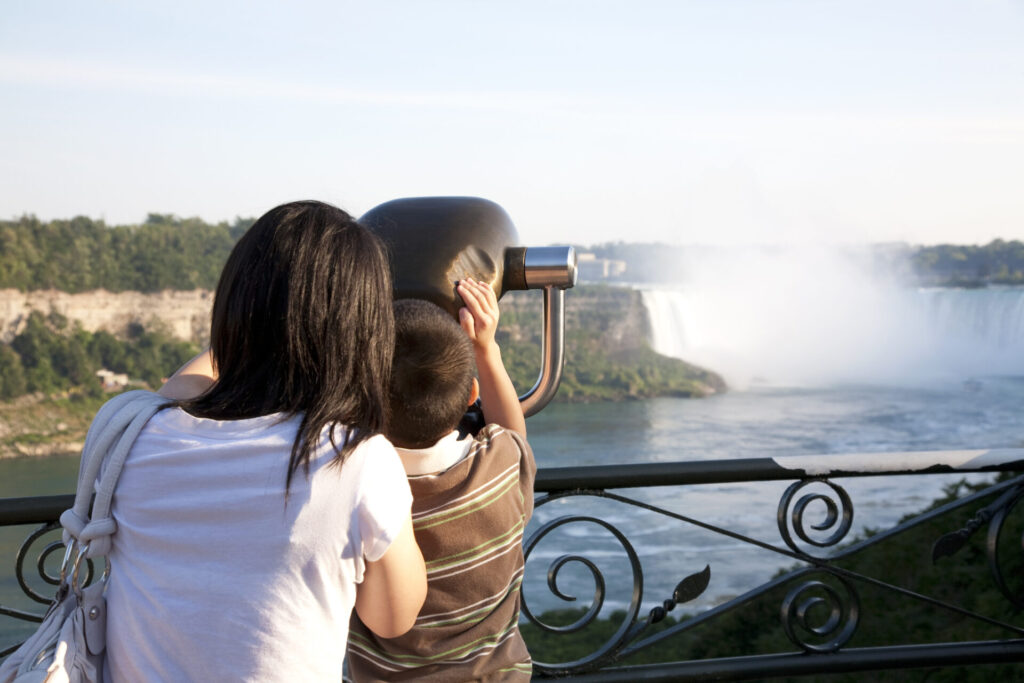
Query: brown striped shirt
x=469, y=522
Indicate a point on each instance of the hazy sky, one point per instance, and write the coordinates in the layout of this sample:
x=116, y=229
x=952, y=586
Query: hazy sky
x=716, y=122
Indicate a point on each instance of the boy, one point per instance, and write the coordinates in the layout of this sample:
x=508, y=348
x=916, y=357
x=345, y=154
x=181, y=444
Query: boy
x=471, y=499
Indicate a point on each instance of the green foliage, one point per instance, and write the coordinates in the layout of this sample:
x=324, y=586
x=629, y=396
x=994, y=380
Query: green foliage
x=886, y=617
x=998, y=262
x=154, y=355
x=12, y=374
x=553, y=648
x=50, y=356
x=77, y=255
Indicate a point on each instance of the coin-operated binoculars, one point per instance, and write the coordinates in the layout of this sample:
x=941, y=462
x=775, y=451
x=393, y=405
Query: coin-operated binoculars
x=435, y=242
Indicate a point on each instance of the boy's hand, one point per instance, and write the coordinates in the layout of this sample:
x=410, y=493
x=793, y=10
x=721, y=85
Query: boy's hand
x=479, y=317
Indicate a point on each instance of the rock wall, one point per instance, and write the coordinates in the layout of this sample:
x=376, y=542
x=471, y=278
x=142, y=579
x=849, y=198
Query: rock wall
x=184, y=314
x=616, y=314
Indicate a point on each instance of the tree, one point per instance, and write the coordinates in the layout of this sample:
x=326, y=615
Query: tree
x=12, y=375
x=164, y=252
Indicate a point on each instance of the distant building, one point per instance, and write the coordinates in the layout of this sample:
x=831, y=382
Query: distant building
x=593, y=268
x=112, y=381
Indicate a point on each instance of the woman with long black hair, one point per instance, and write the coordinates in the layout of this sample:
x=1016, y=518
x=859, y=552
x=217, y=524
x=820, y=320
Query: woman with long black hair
x=257, y=510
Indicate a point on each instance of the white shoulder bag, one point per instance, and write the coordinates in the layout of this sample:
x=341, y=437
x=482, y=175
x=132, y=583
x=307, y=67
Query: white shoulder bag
x=68, y=646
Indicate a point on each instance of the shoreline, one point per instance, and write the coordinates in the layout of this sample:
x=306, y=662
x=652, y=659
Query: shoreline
x=38, y=426
x=54, y=426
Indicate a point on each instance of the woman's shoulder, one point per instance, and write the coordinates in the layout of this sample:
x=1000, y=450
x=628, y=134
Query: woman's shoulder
x=123, y=408
x=374, y=453
x=136, y=397
x=373, y=471
x=378, y=442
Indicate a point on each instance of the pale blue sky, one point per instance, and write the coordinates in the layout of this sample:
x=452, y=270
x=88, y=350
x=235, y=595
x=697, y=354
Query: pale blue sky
x=717, y=122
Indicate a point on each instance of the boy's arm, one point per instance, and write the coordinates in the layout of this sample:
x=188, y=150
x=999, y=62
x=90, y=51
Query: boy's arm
x=479, y=319
x=191, y=379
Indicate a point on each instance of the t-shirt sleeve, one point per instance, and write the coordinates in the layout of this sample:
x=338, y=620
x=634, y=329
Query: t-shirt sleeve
x=385, y=499
x=527, y=473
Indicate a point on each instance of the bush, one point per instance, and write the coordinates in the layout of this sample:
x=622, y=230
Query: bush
x=50, y=356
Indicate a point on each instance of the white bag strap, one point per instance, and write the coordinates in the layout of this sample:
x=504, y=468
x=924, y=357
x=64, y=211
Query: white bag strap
x=110, y=438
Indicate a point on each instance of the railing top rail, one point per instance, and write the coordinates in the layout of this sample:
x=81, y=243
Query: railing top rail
x=553, y=479
x=34, y=509
x=41, y=509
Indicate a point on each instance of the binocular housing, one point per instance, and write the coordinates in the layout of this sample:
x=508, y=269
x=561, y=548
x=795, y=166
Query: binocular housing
x=434, y=242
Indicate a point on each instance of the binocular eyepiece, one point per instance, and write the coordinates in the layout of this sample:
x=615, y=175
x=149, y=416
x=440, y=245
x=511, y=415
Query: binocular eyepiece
x=434, y=242
x=539, y=267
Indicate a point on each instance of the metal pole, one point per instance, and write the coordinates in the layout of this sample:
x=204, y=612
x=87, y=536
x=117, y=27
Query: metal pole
x=552, y=353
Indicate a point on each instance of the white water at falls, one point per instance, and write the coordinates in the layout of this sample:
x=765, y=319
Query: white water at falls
x=784, y=319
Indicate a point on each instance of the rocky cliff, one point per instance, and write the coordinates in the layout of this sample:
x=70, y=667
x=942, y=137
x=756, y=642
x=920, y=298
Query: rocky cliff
x=184, y=314
x=608, y=353
x=614, y=316
x=617, y=315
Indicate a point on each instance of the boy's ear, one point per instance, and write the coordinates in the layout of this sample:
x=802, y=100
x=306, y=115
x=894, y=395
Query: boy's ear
x=474, y=392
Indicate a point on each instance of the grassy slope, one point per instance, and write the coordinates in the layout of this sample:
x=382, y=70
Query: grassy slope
x=37, y=425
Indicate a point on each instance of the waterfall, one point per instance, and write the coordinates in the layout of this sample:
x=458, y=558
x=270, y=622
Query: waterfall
x=816, y=319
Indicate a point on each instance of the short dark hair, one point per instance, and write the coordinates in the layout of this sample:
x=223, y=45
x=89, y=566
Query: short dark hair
x=431, y=377
x=302, y=324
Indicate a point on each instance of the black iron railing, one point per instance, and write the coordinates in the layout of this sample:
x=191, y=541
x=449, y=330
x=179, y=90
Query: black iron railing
x=820, y=612
x=829, y=604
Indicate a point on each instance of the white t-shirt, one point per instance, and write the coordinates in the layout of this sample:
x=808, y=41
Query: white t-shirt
x=215, y=578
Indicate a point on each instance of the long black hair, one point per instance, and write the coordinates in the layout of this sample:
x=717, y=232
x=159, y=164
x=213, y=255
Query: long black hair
x=302, y=324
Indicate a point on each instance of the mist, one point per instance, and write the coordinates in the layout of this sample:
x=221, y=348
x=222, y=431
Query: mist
x=817, y=316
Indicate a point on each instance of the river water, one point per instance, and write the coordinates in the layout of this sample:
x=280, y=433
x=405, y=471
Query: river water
x=940, y=401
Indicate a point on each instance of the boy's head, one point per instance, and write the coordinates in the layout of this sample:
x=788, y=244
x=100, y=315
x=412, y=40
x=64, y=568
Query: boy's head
x=432, y=378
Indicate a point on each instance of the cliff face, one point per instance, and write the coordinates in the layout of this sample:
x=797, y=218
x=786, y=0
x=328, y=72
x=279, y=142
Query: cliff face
x=608, y=355
x=607, y=330
x=184, y=314
x=616, y=315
